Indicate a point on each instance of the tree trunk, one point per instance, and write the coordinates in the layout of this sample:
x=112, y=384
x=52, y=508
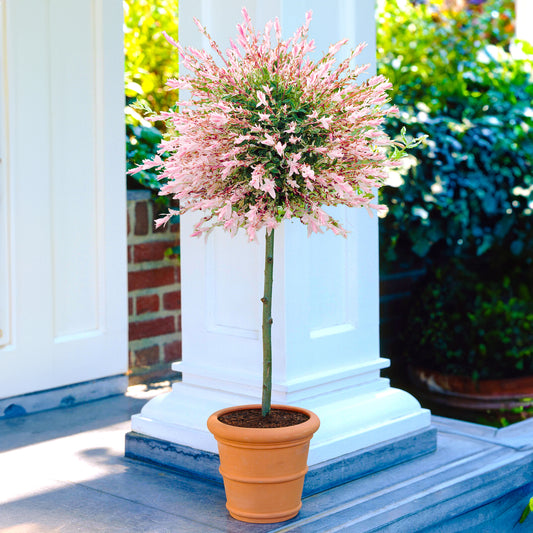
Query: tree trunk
x=267, y=324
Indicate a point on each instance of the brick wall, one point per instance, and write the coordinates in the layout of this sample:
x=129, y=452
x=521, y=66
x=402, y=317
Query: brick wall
x=154, y=295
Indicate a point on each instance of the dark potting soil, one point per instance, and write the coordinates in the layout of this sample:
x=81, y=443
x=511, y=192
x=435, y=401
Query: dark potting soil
x=252, y=418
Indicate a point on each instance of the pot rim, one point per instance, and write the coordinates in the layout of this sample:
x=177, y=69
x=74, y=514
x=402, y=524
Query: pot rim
x=436, y=381
x=282, y=434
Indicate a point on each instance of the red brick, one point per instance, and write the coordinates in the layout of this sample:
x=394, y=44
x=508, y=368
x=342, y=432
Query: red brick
x=172, y=300
x=147, y=304
x=130, y=254
x=130, y=306
x=151, y=251
x=151, y=328
x=128, y=222
x=141, y=218
x=156, y=277
x=174, y=228
x=172, y=351
x=147, y=356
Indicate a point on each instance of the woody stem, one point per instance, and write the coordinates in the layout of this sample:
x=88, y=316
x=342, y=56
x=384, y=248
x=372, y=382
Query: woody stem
x=267, y=324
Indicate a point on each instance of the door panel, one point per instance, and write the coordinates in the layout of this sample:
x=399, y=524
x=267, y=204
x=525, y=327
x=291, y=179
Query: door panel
x=5, y=270
x=63, y=70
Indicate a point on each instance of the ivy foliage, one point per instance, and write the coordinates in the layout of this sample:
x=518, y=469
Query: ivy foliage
x=466, y=326
x=469, y=188
x=462, y=209
x=142, y=141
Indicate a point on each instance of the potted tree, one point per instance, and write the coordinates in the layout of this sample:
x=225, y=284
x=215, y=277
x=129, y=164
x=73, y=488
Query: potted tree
x=267, y=135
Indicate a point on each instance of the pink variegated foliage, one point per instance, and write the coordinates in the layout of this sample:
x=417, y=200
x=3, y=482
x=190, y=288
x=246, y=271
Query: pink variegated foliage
x=267, y=134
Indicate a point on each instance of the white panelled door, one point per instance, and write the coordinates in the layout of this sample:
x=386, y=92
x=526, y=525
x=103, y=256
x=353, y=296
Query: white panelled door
x=5, y=292
x=63, y=288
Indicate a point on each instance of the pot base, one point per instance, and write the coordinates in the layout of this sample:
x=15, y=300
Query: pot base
x=271, y=518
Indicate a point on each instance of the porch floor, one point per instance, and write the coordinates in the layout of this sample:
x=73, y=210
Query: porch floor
x=64, y=470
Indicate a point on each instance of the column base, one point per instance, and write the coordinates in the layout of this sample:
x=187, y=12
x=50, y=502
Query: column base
x=351, y=419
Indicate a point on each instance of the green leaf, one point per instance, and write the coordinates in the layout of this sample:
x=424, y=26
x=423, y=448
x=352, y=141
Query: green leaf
x=172, y=251
x=485, y=245
x=152, y=135
x=517, y=247
x=421, y=247
x=526, y=511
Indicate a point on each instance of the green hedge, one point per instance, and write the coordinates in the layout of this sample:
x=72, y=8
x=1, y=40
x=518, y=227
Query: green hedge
x=150, y=59
x=462, y=209
x=469, y=190
x=469, y=325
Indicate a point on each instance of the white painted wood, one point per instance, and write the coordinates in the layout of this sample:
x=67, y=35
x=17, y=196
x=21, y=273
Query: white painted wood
x=325, y=297
x=63, y=68
x=74, y=130
x=5, y=211
x=524, y=20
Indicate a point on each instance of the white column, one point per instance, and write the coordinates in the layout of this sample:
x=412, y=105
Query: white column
x=325, y=301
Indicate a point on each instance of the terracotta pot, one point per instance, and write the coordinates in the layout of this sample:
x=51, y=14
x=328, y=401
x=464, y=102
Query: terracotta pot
x=464, y=392
x=263, y=469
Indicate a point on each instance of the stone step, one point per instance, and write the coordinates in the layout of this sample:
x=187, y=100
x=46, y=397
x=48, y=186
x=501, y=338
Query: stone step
x=478, y=480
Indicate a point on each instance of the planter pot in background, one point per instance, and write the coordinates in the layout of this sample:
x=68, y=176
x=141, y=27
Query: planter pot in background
x=263, y=468
x=466, y=393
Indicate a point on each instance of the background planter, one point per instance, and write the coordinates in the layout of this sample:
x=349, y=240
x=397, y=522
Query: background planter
x=263, y=469
x=502, y=395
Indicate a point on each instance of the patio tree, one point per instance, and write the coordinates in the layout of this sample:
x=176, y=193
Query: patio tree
x=270, y=135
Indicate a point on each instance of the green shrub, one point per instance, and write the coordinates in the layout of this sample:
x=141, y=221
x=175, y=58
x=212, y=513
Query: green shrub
x=142, y=141
x=463, y=208
x=425, y=50
x=150, y=59
x=463, y=326
x=469, y=190
x=150, y=62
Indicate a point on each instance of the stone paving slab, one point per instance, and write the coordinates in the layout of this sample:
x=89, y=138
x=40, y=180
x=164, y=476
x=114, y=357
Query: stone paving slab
x=65, y=470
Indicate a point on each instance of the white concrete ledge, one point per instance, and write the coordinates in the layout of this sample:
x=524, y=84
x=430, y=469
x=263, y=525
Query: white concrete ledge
x=67, y=396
